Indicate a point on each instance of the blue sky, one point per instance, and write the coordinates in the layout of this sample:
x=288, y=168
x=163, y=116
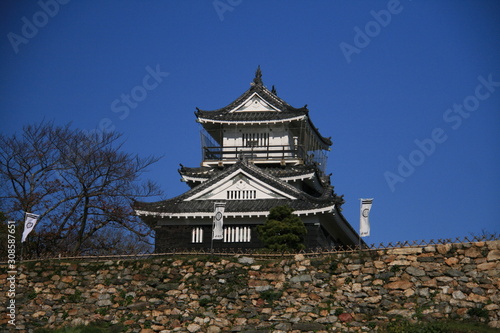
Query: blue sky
x=409, y=91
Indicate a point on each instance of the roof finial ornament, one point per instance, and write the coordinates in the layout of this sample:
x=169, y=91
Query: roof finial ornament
x=258, y=77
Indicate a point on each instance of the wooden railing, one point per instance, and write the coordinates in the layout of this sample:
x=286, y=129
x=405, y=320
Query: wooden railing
x=253, y=153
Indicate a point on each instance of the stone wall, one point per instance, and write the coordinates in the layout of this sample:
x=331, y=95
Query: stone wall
x=345, y=291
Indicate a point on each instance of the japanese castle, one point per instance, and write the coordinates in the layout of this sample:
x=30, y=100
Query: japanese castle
x=259, y=152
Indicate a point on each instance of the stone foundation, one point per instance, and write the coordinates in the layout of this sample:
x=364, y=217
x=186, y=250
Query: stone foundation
x=353, y=292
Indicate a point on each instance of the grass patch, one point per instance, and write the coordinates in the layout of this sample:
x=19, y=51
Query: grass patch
x=32, y=295
x=478, y=313
x=76, y=297
x=102, y=311
x=339, y=311
x=404, y=326
x=270, y=296
x=205, y=301
x=96, y=327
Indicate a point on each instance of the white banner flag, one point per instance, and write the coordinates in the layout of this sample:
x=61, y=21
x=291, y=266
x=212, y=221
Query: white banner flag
x=29, y=224
x=218, y=232
x=364, y=221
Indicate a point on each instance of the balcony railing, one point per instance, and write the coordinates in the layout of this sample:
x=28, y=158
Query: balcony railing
x=253, y=153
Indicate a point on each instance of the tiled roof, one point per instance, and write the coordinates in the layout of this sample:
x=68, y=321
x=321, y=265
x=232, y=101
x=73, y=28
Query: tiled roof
x=280, y=172
x=290, y=170
x=232, y=206
x=263, y=92
x=286, y=111
x=254, y=116
x=304, y=201
x=199, y=172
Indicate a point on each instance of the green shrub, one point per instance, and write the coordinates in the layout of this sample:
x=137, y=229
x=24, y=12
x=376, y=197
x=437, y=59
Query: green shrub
x=283, y=231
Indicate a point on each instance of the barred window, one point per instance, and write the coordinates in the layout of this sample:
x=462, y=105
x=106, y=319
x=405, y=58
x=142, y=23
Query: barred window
x=237, y=234
x=255, y=139
x=197, y=235
x=241, y=194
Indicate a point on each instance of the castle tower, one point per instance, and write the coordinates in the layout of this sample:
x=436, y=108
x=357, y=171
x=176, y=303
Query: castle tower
x=258, y=153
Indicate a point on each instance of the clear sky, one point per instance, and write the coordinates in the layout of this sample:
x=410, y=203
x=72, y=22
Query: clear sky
x=408, y=90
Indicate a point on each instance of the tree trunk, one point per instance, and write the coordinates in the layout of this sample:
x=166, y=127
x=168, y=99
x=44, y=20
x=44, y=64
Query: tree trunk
x=83, y=224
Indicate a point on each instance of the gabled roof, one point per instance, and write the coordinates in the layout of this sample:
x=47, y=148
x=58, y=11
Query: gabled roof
x=258, y=105
x=288, y=172
x=259, y=93
x=194, y=203
x=244, y=185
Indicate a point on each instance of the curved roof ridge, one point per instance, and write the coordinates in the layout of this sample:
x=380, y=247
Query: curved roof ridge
x=327, y=193
x=286, y=111
x=269, y=97
x=326, y=196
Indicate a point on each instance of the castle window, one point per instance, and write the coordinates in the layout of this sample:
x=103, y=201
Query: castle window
x=237, y=235
x=241, y=194
x=197, y=235
x=255, y=139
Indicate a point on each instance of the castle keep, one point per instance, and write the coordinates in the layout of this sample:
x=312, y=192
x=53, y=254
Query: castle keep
x=259, y=152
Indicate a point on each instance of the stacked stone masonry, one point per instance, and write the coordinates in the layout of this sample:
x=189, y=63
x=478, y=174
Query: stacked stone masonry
x=344, y=292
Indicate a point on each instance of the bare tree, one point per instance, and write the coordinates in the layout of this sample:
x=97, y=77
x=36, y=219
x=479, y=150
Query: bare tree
x=81, y=185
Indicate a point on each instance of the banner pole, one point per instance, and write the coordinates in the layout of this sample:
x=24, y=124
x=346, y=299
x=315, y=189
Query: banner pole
x=359, y=234
x=217, y=226
x=22, y=243
x=213, y=230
